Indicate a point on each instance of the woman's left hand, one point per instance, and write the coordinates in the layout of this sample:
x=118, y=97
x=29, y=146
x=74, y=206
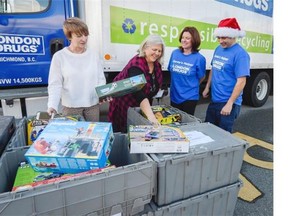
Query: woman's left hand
x=155, y=122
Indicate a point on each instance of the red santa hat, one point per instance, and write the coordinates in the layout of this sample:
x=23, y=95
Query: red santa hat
x=228, y=28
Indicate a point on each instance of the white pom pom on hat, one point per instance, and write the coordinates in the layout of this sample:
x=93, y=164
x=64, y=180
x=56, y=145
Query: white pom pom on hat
x=229, y=28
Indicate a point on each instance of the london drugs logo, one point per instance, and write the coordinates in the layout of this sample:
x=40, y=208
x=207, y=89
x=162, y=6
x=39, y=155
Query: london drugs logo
x=264, y=7
x=128, y=26
x=21, y=44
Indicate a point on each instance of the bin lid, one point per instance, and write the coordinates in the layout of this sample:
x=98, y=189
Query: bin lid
x=222, y=141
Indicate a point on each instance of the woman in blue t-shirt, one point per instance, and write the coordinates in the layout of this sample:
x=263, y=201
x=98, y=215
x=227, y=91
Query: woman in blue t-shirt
x=187, y=69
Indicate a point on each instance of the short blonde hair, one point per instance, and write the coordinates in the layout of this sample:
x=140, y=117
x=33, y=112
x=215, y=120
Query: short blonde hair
x=151, y=40
x=75, y=25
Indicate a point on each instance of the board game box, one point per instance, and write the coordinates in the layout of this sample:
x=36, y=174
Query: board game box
x=121, y=87
x=150, y=139
x=71, y=147
x=27, y=177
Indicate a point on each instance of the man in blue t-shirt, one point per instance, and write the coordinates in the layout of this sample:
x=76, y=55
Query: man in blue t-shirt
x=227, y=78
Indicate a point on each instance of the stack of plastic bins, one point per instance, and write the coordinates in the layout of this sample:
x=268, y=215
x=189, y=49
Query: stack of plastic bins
x=221, y=201
x=206, y=167
x=7, y=129
x=124, y=190
x=134, y=116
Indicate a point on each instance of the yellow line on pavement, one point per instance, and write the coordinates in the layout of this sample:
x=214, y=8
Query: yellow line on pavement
x=252, y=142
x=248, y=192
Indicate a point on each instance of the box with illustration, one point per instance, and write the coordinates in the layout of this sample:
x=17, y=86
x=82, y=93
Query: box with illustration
x=71, y=147
x=27, y=177
x=150, y=139
x=121, y=87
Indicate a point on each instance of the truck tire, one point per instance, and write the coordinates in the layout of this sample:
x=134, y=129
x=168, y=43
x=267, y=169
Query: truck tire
x=257, y=89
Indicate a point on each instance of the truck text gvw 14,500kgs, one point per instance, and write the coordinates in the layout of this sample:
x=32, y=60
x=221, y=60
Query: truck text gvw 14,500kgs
x=31, y=32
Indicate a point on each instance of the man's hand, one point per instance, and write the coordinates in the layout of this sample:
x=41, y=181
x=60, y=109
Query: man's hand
x=226, y=110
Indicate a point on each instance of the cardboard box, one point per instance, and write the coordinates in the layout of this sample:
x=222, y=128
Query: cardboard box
x=164, y=139
x=165, y=115
x=121, y=87
x=71, y=147
x=36, y=124
x=27, y=177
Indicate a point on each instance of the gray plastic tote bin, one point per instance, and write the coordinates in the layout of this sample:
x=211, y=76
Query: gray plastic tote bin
x=206, y=167
x=7, y=129
x=19, y=138
x=124, y=190
x=218, y=202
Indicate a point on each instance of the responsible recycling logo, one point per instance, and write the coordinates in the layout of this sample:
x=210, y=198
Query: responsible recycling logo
x=128, y=26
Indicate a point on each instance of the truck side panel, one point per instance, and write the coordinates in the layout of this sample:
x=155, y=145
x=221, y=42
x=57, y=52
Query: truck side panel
x=29, y=35
x=121, y=25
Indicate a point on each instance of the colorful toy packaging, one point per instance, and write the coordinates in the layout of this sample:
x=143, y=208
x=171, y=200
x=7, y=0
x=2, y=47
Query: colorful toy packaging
x=36, y=124
x=27, y=177
x=150, y=139
x=165, y=115
x=71, y=146
x=121, y=87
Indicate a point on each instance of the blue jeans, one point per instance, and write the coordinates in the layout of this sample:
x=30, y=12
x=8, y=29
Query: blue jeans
x=225, y=122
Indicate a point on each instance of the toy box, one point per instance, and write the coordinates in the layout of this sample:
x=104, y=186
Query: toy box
x=166, y=115
x=150, y=139
x=71, y=147
x=27, y=177
x=36, y=124
x=121, y=87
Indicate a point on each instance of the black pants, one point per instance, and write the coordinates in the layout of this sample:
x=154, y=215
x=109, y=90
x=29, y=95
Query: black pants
x=187, y=106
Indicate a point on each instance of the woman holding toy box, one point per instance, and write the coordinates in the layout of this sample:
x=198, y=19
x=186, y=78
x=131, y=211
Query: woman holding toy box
x=147, y=62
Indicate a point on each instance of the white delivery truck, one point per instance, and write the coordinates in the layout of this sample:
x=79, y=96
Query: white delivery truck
x=31, y=32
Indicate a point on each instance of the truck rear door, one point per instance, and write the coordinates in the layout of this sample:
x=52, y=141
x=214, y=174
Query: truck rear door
x=30, y=33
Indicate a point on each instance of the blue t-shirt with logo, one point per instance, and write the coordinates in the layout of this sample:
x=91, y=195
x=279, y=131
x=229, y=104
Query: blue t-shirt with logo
x=185, y=71
x=228, y=64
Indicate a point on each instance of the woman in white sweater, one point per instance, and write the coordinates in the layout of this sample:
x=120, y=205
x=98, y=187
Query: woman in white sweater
x=74, y=73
